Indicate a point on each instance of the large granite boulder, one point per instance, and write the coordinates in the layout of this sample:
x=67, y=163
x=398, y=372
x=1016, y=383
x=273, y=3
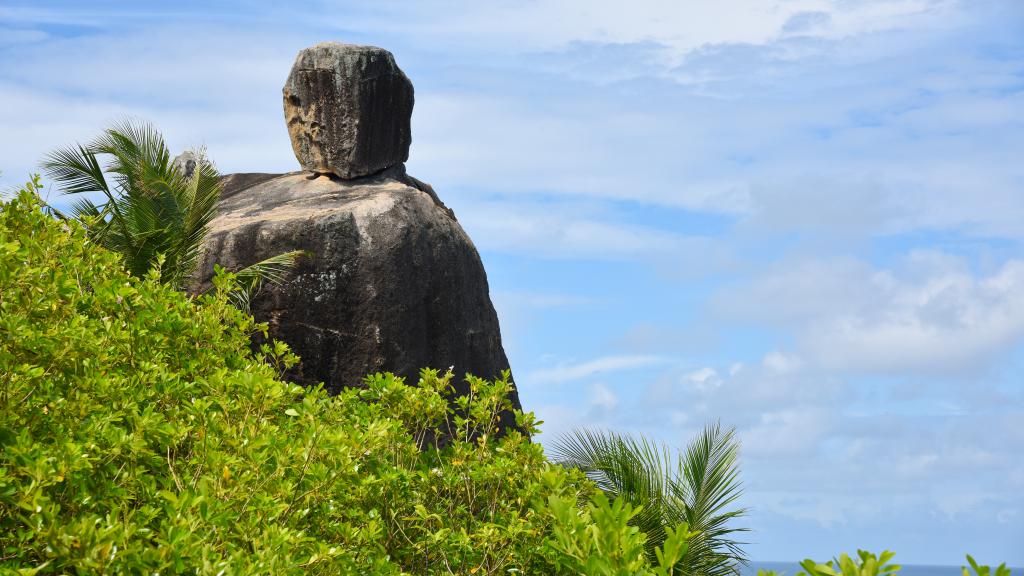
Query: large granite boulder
x=348, y=110
x=393, y=283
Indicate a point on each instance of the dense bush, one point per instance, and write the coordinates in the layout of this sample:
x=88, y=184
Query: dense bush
x=140, y=433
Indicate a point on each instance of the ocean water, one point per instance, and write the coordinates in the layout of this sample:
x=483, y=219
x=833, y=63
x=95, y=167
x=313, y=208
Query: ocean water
x=791, y=568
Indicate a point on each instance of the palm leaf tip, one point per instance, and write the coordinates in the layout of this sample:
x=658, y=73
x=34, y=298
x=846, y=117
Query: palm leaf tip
x=251, y=279
x=273, y=270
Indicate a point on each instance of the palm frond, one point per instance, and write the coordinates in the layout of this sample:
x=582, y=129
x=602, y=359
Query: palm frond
x=155, y=215
x=273, y=270
x=697, y=487
x=709, y=485
x=77, y=171
x=199, y=194
x=85, y=208
x=137, y=154
x=251, y=279
x=622, y=466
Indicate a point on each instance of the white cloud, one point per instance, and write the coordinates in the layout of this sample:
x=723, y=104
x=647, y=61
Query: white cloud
x=9, y=36
x=599, y=148
x=679, y=418
x=702, y=380
x=557, y=419
x=678, y=26
x=916, y=465
x=823, y=510
x=786, y=150
x=778, y=362
x=198, y=83
x=790, y=432
x=551, y=25
x=568, y=372
x=951, y=319
x=814, y=453
x=602, y=397
x=562, y=231
x=931, y=314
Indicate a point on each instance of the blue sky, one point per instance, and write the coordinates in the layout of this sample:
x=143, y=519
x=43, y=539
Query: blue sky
x=804, y=218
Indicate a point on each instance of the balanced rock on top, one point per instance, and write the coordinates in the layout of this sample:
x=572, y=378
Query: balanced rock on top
x=348, y=110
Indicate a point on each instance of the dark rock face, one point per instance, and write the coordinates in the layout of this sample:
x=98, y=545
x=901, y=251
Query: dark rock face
x=348, y=110
x=394, y=283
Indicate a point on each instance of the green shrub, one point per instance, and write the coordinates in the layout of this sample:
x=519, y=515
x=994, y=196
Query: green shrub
x=140, y=433
x=602, y=541
x=868, y=564
x=981, y=570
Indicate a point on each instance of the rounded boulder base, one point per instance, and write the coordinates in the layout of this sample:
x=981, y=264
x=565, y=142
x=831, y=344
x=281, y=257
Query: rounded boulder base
x=348, y=109
x=393, y=283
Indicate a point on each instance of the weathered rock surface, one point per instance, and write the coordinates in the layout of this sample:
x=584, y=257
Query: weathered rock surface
x=348, y=110
x=393, y=284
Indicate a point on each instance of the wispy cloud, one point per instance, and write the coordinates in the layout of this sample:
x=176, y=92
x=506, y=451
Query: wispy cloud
x=680, y=28
x=930, y=315
x=566, y=372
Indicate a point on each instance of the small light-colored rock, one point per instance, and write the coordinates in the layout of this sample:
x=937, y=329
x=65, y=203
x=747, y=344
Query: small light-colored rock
x=186, y=163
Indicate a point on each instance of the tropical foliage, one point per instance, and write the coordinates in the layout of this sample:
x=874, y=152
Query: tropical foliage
x=865, y=564
x=697, y=488
x=982, y=570
x=140, y=433
x=602, y=541
x=153, y=211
